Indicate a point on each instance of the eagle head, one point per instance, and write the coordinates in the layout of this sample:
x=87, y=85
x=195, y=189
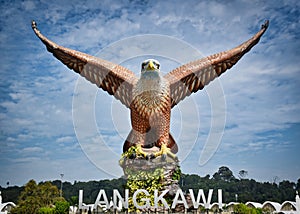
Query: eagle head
x=150, y=65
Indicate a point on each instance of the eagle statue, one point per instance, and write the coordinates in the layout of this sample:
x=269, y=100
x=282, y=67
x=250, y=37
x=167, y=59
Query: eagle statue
x=151, y=96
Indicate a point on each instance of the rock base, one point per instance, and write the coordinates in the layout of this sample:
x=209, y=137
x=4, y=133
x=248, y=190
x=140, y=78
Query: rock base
x=160, y=173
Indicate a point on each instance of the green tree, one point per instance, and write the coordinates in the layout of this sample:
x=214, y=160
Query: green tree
x=224, y=173
x=298, y=185
x=48, y=194
x=243, y=174
x=34, y=197
x=287, y=190
x=243, y=209
x=61, y=207
x=46, y=210
x=28, y=200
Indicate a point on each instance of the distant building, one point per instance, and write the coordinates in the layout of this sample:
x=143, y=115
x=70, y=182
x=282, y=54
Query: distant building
x=271, y=207
x=230, y=207
x=288, y=206
x=254, y=204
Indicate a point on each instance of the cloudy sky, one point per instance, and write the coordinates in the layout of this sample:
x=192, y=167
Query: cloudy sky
x=52, y=121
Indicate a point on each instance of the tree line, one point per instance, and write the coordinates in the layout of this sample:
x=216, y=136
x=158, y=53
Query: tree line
x=43, y=198
x=234, y=189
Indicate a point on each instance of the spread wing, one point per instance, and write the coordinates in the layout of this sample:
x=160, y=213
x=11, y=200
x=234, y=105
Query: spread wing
x=193, y=76
x=113, y=78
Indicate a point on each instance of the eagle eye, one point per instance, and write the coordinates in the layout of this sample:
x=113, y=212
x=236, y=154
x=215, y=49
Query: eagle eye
x=156, y=64
x=143, y=65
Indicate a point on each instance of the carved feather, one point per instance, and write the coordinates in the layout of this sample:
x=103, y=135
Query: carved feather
x=195, y=75
x=111, y=77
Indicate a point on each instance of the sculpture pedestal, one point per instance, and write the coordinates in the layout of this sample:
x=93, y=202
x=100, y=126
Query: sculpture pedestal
x=160, y=173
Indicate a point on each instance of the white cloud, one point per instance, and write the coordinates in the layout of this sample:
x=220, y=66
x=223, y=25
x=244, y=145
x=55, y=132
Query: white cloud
x=29, y=160
x=31, y=149
x=65, y=139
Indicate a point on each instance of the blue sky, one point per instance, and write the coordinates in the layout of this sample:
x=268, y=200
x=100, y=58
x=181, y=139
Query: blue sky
x=53, y=122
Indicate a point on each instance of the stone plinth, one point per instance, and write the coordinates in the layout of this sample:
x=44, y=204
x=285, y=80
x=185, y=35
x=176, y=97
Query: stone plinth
x=158, y=173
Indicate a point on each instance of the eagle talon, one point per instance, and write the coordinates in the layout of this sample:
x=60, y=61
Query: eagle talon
x=164, y=152
x=139, y=151
x=132, y=156
x=150, y=156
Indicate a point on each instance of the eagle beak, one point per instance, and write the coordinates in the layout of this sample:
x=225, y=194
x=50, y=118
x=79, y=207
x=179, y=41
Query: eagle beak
x=151, y=66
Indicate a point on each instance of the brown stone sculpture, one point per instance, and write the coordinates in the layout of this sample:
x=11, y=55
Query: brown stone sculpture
x=152, y=96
